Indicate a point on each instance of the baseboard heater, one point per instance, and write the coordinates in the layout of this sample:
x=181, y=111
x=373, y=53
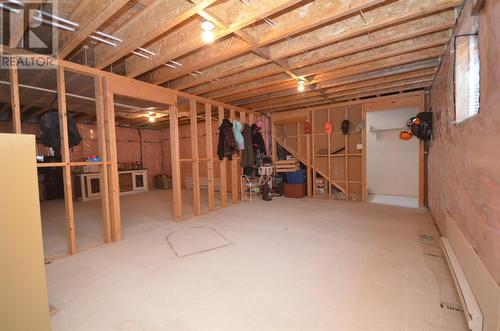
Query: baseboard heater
x=471, y=309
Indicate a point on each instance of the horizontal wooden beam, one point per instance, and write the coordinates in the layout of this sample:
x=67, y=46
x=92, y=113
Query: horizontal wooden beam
x=311, y=16
x=90, y=14
x=185, y=39
x=157, y=19
x=277, y=82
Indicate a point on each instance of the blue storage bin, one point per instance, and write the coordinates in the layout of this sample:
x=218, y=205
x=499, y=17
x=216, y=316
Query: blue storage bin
x=298, y=177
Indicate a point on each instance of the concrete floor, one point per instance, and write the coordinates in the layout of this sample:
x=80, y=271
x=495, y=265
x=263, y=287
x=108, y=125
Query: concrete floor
x=289, y=264
x=140, y=212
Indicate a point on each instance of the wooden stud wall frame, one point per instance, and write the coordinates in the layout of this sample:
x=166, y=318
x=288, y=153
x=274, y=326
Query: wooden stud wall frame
x=107, y=85
x=345, y=171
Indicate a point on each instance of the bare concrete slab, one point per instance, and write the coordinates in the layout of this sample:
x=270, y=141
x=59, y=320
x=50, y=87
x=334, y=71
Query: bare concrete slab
x=294, y=264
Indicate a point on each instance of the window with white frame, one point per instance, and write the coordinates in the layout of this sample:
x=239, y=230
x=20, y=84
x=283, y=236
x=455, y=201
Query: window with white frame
x=466, y=77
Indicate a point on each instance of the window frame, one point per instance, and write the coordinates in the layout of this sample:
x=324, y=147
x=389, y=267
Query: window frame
x=466, y=119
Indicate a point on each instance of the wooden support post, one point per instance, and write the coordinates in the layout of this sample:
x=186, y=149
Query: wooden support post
x=346, y=156
x=176, y=165
x=308, y=157
x=251, y=118
x=421, y=163
x=313, y=151
x=68, y=192
x=195, y=156
x=113, y=182
x=234, y=168
x=14, y=98
x=363, y=154
x=274, y=147
x=103, y=184
x=329, y=136
x=223, y=169
x=210, y=157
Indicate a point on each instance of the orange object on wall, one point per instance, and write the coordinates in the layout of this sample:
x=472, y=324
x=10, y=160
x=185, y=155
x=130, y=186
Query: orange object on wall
x=328, y=127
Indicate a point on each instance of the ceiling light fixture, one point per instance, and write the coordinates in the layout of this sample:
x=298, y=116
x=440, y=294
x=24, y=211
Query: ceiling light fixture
x=301, y=85
x=207, y=35
x=206, y=25
x=151, y=117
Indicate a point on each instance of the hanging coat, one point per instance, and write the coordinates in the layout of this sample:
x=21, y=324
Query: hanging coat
x=237, y=135
x=257, y=140
x=227, y=144
x=247, y=156
x=50, y=133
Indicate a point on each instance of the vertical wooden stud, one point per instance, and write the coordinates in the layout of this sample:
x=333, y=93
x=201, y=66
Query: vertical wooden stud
x=363, y=154
x=251, y=118
x=195, y=156
x=222, y=170
x=329, y=136
x=68, y=192
x=313, y=151
x=14, y=98
x=346, y=156
x=113, y=182
x=308, y=156
x=274, y=148
x=210, y=157
x=103, y=184
x=234, y=168
x=176, y=165
x=421, y=164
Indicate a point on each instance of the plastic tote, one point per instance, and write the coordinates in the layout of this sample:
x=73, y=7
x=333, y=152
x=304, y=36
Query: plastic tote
x=297, y=177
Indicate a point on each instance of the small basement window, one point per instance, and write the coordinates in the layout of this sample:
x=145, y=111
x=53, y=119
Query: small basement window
x=466, y=77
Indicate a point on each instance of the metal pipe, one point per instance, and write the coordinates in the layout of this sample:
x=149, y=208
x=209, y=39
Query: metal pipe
x=110, y=43
x=109, y=36
x=176, y=63
x=140, y=54
x=147, y=51
x=14, y=10
x=59, y=18
x=55, y=24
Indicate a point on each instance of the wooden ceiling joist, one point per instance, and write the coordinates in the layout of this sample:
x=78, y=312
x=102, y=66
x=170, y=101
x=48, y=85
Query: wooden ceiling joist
x=90, y=15
x=260, y=87
x=159, y=18
x=187, y=38
x=221, y=70
x=344, y=88
x=342, y=49
x=312, y=15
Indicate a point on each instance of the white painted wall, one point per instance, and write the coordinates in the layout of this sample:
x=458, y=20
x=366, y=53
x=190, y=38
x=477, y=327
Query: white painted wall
x=391, y=163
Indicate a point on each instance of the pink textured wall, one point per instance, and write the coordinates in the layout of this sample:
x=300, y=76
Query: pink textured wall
x=464, y=158
x=155, y=148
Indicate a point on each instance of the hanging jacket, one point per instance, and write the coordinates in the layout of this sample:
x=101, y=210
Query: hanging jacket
x=227, y=144
x=237, y=135
x=50, y=133
x=247, y=156
x=257, y=140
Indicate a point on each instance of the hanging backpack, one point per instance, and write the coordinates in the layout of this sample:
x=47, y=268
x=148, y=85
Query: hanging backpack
x=421, y=125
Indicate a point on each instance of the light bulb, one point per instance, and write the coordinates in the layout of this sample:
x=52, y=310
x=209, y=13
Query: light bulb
x=301, y=86
x=151, y=119
x=207, y=25
x=208, y=36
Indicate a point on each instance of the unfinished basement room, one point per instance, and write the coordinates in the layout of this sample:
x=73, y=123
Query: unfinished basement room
x=250, y=165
